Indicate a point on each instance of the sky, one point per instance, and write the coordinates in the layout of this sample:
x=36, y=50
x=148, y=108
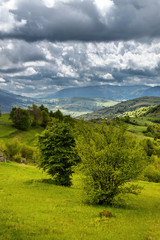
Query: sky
x=49, y=45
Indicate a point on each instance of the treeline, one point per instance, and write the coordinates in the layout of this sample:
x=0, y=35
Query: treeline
x=34, y=116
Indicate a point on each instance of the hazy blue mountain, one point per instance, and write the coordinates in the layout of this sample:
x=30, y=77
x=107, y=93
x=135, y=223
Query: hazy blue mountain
x=153, y=91
x=73, y=106
x=76, y=101
x=9, y=100
x=104, y=91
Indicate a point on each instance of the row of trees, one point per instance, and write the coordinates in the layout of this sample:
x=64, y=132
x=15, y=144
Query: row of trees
x=34, y=116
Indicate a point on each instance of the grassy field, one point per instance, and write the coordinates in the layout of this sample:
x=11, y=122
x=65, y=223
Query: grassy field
x=7, y=132
x=32, y=209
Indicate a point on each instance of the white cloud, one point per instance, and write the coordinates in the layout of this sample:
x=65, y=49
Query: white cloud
x=7, y=19
x=2, y=80
x=104, y=7
x=107, y=76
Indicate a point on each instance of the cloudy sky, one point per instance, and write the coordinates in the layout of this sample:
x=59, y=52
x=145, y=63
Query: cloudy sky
x=48, y=45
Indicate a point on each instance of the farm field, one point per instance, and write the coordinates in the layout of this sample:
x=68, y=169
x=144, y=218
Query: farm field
x=33, y=209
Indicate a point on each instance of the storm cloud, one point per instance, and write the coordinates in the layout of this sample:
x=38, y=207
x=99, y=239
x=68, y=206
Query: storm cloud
x=83, y=21
x=49, y=45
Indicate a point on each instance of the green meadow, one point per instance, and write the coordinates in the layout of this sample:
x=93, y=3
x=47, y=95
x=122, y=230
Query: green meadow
x=8, y=132
x=34, y=209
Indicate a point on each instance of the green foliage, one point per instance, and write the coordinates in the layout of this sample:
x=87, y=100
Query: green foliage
x=35, y=113
x=17, y=151
x=58, y=114
x=57, y=146
x=45, y=118
x=17, y=158
x=110, y=158
x=154, y=130
x=12, y=148
x=20, y=118
x=42, y=107
x=152, y=171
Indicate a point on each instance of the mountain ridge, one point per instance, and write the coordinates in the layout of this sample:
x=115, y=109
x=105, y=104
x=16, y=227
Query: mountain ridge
x=108, y=91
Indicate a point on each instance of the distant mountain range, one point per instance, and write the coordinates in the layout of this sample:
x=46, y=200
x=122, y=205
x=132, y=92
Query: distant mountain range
x=77, y=101
x=9, y=100
x=74, y=106
x=108, y=91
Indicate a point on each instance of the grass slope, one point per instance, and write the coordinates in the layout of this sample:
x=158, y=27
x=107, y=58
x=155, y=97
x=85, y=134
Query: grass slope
x=34, y=210
x=8, y=132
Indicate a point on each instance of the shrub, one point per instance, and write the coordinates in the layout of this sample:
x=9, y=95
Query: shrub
x=20, y=152
x=152, y=171
x=13, y=148
x=110, y=158
x=17, y=158
x=152, y=174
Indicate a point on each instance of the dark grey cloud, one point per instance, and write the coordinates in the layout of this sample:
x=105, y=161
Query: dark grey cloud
x=78, y=43
x=82, y=21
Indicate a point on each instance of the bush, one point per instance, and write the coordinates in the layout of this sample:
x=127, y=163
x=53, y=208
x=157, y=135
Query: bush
x=110, y=158
x=20, y=152
x=13, y=148
x=152, y=174
x=17, y=158
x=152, y=171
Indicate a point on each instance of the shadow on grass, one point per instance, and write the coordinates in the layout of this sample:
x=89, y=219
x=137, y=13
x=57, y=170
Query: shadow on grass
x=46, y=181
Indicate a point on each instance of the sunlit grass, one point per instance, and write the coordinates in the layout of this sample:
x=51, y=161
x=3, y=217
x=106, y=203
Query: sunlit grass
x=8, y=132
x=32, y=209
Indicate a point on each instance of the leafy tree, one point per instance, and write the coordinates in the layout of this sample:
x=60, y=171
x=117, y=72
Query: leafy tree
x=35, y=113
x=20, y=118
x=42, y=107
x=45, y=118
x=57, y=146
x=0, y=111
x=110, y=158
x=58, y=114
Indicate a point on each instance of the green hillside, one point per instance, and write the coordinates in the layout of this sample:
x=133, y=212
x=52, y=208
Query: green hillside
x=123, y=107
x=33, y=209
x=8, y=132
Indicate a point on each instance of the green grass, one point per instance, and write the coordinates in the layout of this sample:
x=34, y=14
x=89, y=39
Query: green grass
x=31, y=209
x=6, y=128
x=136, y=129
x=8, y=132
